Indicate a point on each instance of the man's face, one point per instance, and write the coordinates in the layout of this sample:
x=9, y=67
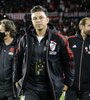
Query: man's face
x=86, y=28
x=39, y=20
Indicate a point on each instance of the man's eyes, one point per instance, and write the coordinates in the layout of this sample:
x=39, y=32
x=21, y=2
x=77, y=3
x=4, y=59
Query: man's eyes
x=35, y=18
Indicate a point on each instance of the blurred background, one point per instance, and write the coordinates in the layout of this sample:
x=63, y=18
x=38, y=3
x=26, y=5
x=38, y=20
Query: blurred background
x=64, y=14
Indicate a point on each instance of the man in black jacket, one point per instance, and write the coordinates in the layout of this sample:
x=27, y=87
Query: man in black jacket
x=43, y=66
x=7, y=49
x=80, y=45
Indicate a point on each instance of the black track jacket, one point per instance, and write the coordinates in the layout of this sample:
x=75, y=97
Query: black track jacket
x=59, y=60
x=6, y=68
x=81, y=50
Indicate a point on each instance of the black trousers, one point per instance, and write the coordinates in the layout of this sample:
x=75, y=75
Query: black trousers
x=34, y=95
x=77, y=95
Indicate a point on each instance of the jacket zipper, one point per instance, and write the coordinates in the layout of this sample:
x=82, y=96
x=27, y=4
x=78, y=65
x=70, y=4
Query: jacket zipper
x=3, y=64
x=81, y=63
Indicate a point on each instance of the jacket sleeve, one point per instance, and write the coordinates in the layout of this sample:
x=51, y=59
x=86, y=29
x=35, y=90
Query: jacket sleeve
x=18, y=62
x=67, y=62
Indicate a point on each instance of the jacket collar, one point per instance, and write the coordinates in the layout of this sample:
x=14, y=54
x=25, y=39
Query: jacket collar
x=79, y=36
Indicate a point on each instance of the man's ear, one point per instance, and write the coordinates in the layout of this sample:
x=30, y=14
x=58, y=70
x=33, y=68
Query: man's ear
x=80, y=27
x=47, y=20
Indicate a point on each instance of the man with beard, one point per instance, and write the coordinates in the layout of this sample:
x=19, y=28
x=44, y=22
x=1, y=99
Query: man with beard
x=80, y=45
x=43, y=66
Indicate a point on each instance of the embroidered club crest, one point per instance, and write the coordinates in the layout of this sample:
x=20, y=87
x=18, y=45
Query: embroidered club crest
x=52, y=45
x=11, y=52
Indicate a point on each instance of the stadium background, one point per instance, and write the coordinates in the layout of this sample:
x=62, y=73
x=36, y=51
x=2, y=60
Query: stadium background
x=64, y=14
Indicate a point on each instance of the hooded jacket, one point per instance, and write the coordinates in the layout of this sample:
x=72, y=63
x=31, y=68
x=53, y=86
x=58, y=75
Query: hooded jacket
x=81, y=50
x=58, y=61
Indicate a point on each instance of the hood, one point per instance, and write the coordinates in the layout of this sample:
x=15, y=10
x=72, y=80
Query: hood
x=80, y=37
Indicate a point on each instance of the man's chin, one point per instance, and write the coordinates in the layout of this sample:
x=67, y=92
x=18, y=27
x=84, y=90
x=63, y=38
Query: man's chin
x=39, y=29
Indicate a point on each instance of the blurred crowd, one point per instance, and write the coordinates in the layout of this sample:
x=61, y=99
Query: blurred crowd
x=51, y=5
x=67, y=26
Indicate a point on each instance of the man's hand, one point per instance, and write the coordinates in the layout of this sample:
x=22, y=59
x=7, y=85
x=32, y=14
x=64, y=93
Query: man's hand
x=17, y=84
x=65, y=88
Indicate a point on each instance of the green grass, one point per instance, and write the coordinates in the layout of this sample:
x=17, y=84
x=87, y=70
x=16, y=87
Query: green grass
x=62, y=97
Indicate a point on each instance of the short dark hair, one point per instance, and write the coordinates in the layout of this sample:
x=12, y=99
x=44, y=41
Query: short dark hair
x=9, y=26
x=39, y=8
